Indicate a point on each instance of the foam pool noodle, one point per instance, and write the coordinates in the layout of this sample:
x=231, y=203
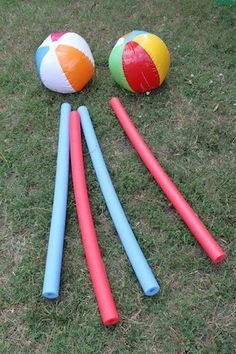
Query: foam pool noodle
x=138, y=261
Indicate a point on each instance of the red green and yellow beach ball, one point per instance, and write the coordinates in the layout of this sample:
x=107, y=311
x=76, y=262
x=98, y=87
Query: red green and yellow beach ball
x=139, y=61
x=64, y=62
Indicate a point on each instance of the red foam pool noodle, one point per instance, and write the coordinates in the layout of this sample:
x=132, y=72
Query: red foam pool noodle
x=198, y=229
x=96, y=267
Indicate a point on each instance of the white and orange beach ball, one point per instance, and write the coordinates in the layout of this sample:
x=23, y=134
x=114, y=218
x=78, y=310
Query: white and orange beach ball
x=64, y=62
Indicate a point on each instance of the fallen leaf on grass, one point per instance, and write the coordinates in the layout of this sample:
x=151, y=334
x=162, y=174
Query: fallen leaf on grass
x=216, y=107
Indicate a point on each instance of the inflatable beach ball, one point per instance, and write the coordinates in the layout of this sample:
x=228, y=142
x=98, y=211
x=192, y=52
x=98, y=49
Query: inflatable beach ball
x=64, y=62
x=139, y=61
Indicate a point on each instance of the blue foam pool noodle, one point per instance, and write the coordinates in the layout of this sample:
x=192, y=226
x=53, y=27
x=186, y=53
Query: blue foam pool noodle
x=52, y=274
x=137, y=259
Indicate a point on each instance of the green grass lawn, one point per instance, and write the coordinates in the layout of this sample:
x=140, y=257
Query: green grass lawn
x=190, y=125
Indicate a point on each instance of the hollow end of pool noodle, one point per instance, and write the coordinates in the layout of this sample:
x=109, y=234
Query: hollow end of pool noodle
x=52, y=274
x=93, y=256
x=199, y=230
x=135, y=255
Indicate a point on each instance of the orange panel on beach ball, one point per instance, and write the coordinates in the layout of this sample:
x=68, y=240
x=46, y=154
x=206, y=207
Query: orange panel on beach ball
x=71, y=61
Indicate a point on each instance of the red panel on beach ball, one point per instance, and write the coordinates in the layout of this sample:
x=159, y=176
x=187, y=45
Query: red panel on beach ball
x=139, y=69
